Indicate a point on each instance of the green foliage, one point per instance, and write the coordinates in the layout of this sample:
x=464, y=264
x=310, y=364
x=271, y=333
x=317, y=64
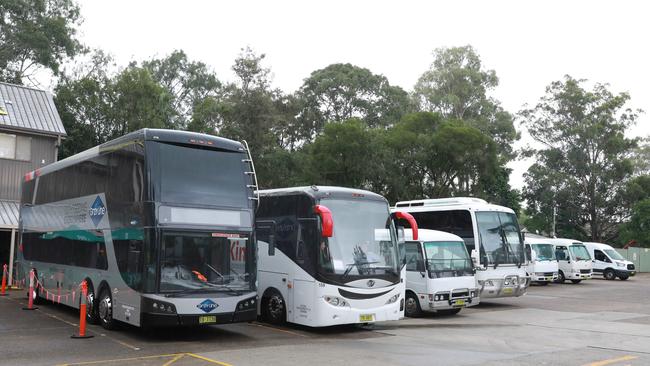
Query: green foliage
x=36, y=34
x=456, y=86
x=96, y=107
x=584, y=163
x=343, y=91
x=638, y=228
x=189, y=83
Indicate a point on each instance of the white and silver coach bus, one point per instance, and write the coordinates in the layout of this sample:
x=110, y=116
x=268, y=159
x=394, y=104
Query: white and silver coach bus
x=491, y=234
x=328, y=256
x=159, y=223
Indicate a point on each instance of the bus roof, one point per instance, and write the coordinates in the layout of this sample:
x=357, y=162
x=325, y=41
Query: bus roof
x=564, y=241
x=173, y=136
x=451, y=203
x=320, y=192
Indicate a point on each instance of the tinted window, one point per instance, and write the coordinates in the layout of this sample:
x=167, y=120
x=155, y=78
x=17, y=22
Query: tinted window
x=79, y=248
x=600, y=256
x=562, y=253
x=458, y=222
x=201, y=176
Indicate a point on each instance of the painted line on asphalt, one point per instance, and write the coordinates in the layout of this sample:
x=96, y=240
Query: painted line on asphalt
x=208, y=359
x=612, y=361
x=178, y=357
x=121, y=359
x=278, y=329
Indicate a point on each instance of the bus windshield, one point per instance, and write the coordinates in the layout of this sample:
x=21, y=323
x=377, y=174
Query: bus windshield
x=191, y=175
x=205, y=261
x=500, y=238
x=544, y=252
x=579, y=252
x=447, y=259
x=363, y=242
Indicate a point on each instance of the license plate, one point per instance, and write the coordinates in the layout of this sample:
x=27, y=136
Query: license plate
x=507, y=290
x=207, y=319
x=459, y=303
x=365, y=318
x=549, y=278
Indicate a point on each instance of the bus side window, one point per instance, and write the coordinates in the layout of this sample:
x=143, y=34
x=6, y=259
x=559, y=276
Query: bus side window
x=414, y=258
x=600, y=256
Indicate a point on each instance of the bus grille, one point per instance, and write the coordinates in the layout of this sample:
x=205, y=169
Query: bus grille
x=630, y=267
x=585, y=271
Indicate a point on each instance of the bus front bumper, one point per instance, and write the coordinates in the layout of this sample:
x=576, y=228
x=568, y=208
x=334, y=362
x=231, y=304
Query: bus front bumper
x=511, y=286
x=454, y=299
x=173, y=320
x=543, y=276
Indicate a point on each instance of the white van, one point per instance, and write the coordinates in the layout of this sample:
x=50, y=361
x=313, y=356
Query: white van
x=573, y=260
x=608, y=262
x=543, y=266
x=439, y=274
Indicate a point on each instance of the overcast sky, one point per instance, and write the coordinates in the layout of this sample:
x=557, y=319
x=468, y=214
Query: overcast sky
x=528, y=43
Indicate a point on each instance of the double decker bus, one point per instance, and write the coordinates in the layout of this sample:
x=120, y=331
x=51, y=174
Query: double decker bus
x=491, y=234
x=158, y=223
x=328, y=256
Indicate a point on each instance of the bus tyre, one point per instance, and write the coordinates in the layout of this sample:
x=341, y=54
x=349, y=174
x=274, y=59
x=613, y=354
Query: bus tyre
x=449, y=311
x=274, y=308
x=105, y=309
x=609, y=274
x=412, y=306
x=91, y=304
x=576, y=281
x=560, y=277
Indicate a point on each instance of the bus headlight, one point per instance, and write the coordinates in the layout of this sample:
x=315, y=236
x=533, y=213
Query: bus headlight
x=247, y=304
x=156, y=306
x=393, y=299
x=335, y=301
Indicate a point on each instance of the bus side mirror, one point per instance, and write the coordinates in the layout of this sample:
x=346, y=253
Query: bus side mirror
x=411, y=220
x=475, y=258
x=327, y=223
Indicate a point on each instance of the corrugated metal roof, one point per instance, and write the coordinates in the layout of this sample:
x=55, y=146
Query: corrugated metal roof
x=29, y=109
x=9, y=211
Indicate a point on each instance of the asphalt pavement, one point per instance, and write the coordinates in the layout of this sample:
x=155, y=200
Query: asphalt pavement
x=594, y=323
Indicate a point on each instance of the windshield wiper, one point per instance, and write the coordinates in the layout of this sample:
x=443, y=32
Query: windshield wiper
x=355, y=264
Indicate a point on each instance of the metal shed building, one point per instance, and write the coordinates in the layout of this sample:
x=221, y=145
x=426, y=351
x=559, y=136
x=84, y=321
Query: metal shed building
x=30, y=134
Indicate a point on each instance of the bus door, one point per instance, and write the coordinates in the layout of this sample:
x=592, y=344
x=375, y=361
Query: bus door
x=303, y=294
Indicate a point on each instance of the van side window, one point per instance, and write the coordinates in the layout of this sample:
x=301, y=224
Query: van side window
x=600, y=256
x=414, y=258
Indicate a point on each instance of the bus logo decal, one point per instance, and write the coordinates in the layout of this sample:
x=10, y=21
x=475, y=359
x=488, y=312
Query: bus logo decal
x=207, y=305
x=97, y=211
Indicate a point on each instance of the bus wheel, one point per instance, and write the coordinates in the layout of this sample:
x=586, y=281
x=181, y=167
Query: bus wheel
x=609, y=275
x=449, y=311
x=91, y=304
x=576, y=281
x=105, y=309
x=274, y=308
x=560, y=277
x=412, y=306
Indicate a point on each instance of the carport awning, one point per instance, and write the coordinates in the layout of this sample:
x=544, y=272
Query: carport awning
x=9, y=211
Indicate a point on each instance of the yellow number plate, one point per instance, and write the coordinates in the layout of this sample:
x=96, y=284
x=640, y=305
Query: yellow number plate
x=459, y=303
x=207, y=319
x=367, y=318
x=507, y=290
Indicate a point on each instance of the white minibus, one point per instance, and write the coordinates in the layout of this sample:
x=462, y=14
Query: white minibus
x=573, y=260
x=543, y=266
x=439, y=274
